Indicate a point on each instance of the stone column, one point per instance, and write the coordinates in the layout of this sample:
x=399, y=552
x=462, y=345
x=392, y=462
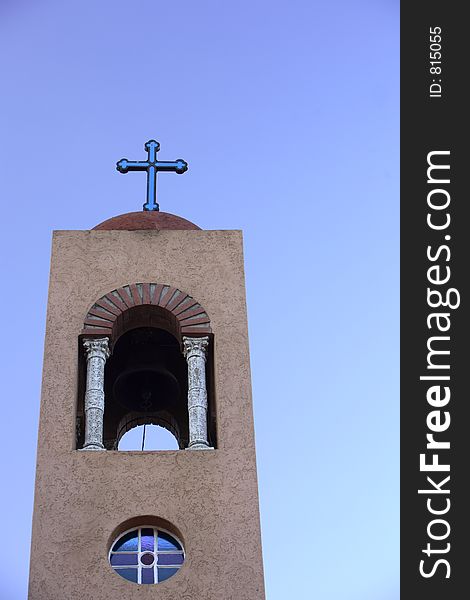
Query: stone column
x=97, y=352
x=195, y=351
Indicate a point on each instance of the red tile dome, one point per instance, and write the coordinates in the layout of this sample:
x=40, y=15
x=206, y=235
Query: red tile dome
x=146, y=220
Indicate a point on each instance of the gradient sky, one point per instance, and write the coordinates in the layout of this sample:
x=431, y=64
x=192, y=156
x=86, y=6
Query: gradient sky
x=287, y=113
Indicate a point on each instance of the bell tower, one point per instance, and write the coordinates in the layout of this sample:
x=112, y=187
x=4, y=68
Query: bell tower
x=146, y=325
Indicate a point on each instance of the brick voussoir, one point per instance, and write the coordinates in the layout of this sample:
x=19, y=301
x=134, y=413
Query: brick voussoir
x=96, y=323
x=146, y=293
x=198, y=310
x=135, y=294
x=117, y=302
x=199, y=321
x=102, y=314
x=168, y=296
x=156, y=294
x=113, y=309
x=176, y=301
x=125, y=297
x=180, y=309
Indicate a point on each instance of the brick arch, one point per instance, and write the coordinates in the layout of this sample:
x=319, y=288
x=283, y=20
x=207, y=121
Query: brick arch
x=106, y=314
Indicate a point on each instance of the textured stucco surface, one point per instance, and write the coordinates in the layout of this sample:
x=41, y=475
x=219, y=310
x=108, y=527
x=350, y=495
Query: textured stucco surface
x=211, y=497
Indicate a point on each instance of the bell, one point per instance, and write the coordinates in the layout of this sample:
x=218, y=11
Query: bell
x=142, y=380
x=146, y=388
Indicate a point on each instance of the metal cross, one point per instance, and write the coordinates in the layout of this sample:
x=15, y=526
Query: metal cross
x=152, y=166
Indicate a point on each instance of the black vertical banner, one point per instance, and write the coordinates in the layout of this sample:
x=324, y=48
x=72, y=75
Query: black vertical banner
x=435, y=302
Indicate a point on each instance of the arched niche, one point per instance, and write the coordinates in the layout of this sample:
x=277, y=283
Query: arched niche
x=145, y=377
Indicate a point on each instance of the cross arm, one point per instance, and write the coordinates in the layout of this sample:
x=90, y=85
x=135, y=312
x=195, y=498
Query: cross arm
x=179, y=166
x=124, y=165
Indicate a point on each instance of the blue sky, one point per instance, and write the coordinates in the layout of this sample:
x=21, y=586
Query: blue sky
x=287, y=114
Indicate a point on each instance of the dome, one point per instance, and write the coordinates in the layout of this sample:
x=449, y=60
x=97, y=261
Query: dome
x=146, y=220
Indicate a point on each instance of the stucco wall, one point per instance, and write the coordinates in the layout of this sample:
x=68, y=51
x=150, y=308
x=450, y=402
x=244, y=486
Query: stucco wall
x=209, y=496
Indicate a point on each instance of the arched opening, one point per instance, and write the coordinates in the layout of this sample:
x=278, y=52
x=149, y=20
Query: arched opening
x=148, y=437
x=137, y=341
x=145, y=384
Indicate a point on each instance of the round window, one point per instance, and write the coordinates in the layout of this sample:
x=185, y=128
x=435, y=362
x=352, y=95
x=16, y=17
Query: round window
x=146, y=555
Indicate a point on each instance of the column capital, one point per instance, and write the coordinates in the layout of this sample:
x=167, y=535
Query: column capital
x=195, y=346
x=96, y=347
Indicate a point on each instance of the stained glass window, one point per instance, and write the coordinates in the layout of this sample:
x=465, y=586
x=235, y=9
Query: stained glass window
x=146, y=555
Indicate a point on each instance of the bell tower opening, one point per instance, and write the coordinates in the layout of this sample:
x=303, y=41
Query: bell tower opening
x=143, y=344
x=146, y=384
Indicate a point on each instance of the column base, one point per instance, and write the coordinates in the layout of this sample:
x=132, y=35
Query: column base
x=92, y=447
x=199, y=446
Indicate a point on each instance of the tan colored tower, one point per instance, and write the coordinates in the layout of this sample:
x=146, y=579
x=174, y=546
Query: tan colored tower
x=146, y=323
